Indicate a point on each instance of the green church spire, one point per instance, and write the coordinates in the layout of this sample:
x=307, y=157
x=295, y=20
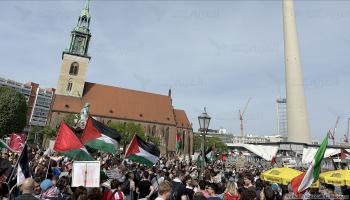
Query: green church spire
x=80, y=36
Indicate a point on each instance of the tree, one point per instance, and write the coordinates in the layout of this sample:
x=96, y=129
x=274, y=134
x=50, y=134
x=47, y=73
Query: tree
x=216, y=142
x=197, y=142
x=128, y=130
x=69, y=120
x=42, y=134
x=154, y=139
x=13, y=111
x=220, y=147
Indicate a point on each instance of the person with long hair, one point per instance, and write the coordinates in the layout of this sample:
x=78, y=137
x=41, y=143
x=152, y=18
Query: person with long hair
x=231, y=192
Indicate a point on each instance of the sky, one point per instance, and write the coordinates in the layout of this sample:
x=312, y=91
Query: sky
x=213, y=54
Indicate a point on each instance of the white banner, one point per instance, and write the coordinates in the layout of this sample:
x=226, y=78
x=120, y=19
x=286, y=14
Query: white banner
x=86, y=173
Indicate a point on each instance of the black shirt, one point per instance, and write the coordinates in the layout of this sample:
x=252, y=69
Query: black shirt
x=26, y=197
x=178, y=190
x=144, y=188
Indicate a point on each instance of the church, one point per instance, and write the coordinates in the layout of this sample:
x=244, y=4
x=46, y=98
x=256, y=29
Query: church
x=153, y=112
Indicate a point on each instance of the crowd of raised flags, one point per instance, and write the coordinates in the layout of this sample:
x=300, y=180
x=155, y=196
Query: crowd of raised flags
x=102, y=138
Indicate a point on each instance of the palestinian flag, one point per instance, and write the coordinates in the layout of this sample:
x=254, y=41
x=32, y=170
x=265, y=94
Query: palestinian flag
x=23, y=169
x=305, y=180
x=178, y=143
x=142, y=152
x=3, y=145
x=69, y=145
x=209, y=154
x=17, y=141
x=99, y=136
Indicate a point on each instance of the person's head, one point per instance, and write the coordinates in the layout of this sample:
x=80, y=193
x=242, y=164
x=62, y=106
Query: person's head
x=248, y=195
x=259, y=184
x=212, y=189
x=95, y=194
x=37, y=188
x=201, y=184
x=62, y=183
x=115, y=184
x=180, y=175
x=199, y=196
x=27, y=186
x=164, y=190
x=46, y=184
x=187, y=180
x=145, y=175
x=269, y=193
x=130, y=175
x=80, y=192
x=248, y=179
x=231, y=188
x=54, y=180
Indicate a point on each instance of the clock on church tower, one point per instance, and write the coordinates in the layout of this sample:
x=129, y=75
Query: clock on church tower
x=79, y=45
x=75, y=59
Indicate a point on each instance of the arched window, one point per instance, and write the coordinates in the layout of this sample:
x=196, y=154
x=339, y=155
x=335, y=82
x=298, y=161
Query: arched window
x=148, y=130
x=74, y=68
x=153, y=133
x=69, y=86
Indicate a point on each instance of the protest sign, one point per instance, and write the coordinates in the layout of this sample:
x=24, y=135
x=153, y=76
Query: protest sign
x=86, y=173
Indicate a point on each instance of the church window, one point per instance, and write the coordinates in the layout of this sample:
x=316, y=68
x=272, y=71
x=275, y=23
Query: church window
x=153, y=131
x=74, y=68
x=69, y=86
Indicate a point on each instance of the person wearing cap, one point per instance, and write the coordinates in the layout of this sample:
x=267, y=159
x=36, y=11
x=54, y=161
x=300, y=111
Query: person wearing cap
x=27, y=189
x=49, y=191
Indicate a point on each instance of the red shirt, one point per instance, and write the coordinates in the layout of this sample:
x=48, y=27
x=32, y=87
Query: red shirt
x=117, y=195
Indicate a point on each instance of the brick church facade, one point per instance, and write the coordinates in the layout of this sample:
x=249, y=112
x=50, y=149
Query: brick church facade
x=154, y=112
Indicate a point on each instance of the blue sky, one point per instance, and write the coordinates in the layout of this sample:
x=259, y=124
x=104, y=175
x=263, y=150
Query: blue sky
x=213, y=54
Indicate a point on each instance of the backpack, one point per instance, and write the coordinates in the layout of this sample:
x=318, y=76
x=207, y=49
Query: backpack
x=126, y=187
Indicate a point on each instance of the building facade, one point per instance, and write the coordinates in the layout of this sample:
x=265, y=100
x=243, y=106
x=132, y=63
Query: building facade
x=38, y=99
x=153, y=112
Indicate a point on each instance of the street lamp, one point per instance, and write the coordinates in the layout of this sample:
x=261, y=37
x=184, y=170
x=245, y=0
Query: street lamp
x=204, y=120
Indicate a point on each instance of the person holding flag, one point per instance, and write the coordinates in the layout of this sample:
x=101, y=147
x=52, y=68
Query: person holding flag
x=304, y=181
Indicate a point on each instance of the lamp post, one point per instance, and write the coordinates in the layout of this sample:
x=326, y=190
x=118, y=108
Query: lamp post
x=204, y=120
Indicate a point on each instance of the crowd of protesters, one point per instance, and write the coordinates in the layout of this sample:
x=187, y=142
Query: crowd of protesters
x=168, y=180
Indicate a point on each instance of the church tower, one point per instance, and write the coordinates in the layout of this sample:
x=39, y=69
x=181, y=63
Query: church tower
x=75, y=59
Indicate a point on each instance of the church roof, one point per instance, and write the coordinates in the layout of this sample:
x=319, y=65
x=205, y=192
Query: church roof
x=181, y=119
x=119, y=103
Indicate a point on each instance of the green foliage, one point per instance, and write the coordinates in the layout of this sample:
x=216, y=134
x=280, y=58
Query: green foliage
x=220, y=147
x=128, y=130
x=154, y=139
x=69, y=120
x=44, y=134
x=197, y=142
x=13, y=111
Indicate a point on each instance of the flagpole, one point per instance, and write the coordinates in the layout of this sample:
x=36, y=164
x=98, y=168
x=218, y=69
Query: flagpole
x=16, y=165
x=47, y=171
x=14, y=169
x=128, y=147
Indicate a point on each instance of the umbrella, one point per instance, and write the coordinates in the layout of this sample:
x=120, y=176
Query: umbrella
x=283, y=176
x=280, y=175
x=336, y=177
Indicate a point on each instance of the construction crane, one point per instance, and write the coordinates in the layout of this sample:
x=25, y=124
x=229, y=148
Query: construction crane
x=241, y=113
x=331, y=134
x=346, y=135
